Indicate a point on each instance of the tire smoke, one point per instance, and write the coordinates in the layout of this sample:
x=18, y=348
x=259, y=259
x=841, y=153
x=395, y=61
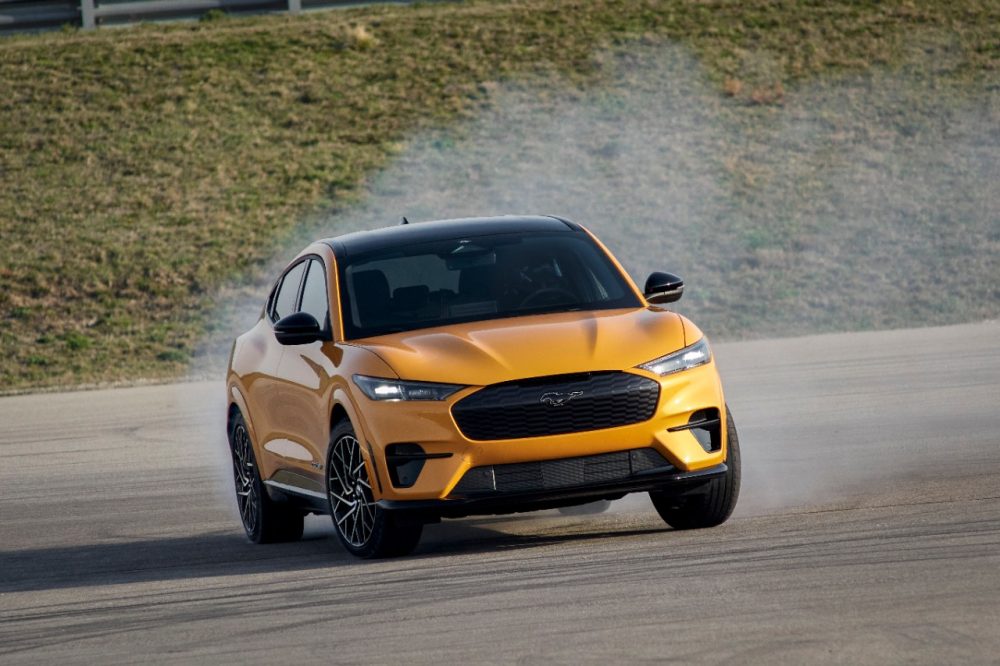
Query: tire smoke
x=864, y=201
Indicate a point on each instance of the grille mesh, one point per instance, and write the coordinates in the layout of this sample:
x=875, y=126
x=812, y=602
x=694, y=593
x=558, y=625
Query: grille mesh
x=531, y=408
x=562, y=473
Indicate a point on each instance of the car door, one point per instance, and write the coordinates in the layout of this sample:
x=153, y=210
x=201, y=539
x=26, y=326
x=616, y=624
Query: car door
x=305, y=372
x=263, y=386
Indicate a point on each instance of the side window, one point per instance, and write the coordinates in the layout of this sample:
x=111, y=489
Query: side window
x=288, y=292
x=314, y=299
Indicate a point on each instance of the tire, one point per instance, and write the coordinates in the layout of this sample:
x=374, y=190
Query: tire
x=716, y=504
x=364, y=528
x=264, y=520
x=588, y=509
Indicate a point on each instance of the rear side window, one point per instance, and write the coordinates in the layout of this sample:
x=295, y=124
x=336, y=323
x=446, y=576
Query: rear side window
x=314, y=300
x=288, y=292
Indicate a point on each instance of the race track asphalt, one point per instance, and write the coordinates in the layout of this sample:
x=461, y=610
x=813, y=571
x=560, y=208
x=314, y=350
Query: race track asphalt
x=868, y=531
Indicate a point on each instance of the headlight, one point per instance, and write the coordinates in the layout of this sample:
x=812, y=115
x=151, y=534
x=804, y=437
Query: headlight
x=378, y=388
x=683, y=359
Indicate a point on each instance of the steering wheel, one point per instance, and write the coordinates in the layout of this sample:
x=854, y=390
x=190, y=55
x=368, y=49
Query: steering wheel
x=548, y=296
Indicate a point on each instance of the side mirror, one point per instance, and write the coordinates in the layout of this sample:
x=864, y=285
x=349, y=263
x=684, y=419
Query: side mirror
x=300, y=328
x=663, y=288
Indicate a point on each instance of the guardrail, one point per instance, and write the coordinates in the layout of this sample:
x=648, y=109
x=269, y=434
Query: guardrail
x=26, y=15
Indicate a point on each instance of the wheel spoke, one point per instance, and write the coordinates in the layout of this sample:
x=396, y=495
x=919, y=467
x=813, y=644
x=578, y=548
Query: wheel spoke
x=343, y=500
x=340, y=455
x=336, y=468
x=340, y=521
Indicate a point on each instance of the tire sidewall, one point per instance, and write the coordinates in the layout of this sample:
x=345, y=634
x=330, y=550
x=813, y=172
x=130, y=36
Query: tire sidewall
x=733, y=458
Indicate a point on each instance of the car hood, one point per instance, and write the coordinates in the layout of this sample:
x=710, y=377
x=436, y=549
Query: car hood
x=498, y=350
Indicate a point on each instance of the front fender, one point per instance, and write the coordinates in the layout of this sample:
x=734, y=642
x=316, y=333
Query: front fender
x=342, y=398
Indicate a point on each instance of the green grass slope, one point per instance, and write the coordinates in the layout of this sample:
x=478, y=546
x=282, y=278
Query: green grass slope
x=144, y=168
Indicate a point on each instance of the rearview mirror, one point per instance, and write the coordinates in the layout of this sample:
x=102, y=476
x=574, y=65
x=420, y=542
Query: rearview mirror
x=300, y=328
x=663, y=288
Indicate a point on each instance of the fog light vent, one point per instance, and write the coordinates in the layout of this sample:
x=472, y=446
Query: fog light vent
x=706, y=427
x=406, y=461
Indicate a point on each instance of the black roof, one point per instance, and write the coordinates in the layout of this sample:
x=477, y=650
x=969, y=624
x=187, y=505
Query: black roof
x=361, y=242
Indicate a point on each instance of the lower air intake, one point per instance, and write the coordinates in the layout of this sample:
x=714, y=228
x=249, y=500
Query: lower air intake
x=562, y=473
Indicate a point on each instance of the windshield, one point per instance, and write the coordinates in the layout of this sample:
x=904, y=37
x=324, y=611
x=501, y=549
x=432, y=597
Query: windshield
x=477, y=278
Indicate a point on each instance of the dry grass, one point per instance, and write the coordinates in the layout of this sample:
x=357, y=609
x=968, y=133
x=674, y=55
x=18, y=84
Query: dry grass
x=142, y=168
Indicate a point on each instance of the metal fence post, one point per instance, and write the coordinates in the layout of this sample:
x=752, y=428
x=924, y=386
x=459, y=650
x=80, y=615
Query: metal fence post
x=294, y=6
x=87, y=13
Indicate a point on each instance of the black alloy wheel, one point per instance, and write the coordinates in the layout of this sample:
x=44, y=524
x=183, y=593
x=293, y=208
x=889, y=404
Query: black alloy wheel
x=264, y=520
x=363, y=527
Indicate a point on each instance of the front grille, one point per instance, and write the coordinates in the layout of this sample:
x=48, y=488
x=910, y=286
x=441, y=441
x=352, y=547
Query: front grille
x=556, y=405
x=561, y=473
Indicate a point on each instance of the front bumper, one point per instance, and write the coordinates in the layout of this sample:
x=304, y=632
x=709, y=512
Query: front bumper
x=431, y=426
x=663, y=479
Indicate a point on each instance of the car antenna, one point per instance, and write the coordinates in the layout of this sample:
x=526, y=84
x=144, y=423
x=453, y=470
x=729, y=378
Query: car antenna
x=403, y=220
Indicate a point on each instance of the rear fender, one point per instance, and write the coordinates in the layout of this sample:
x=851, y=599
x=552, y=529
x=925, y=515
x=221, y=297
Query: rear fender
x=236, y=398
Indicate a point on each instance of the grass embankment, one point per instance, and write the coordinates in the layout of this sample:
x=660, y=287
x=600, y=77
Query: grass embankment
x=142, y=168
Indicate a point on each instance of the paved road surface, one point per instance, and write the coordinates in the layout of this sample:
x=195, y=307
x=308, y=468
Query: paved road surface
x=868, y=531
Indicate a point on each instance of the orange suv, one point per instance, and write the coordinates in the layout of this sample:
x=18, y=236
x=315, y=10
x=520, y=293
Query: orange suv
x=475, y=366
